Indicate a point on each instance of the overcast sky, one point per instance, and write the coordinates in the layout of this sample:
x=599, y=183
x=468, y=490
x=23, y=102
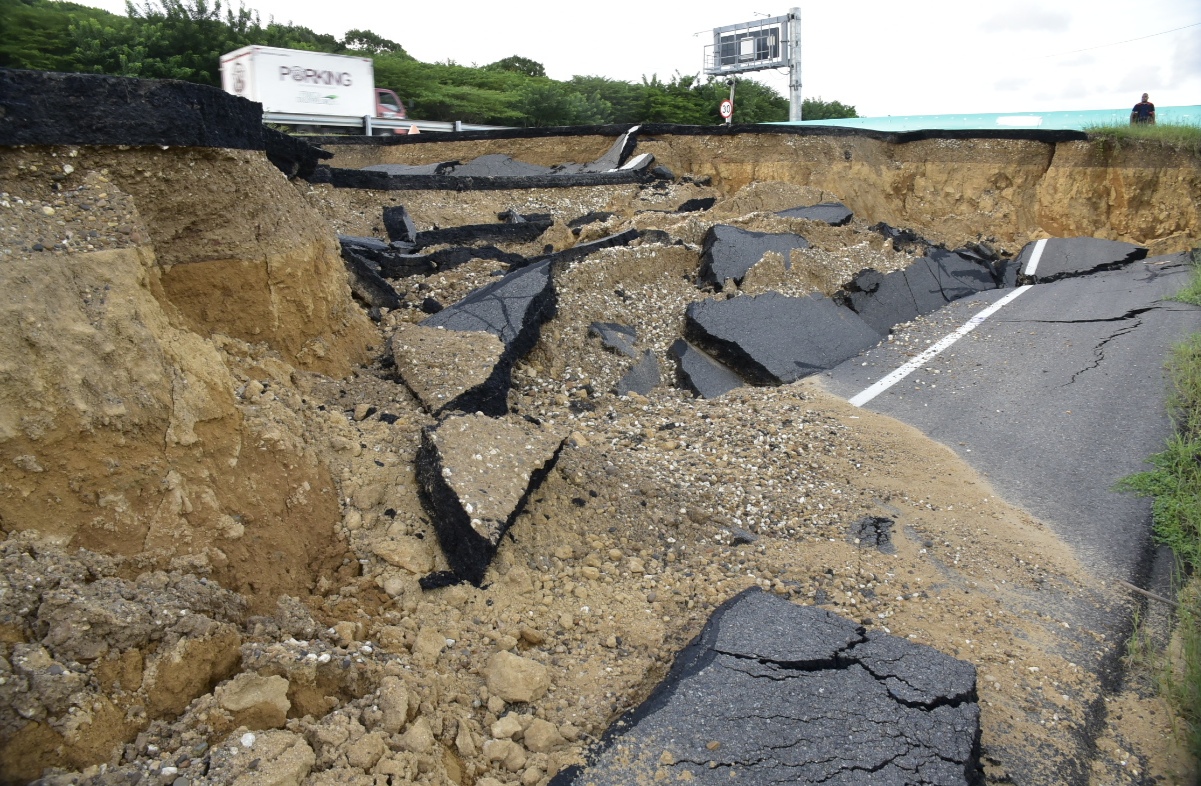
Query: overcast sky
x=881, y=56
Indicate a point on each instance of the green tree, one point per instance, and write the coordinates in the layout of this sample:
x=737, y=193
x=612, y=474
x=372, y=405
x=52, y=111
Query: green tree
x=817, y=109
x=367, y=41
x=518, y=65
x=37, y=33
x=548, y=103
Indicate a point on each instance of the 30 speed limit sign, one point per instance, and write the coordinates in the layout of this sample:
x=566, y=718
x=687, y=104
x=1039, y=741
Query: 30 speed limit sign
x=727, y=108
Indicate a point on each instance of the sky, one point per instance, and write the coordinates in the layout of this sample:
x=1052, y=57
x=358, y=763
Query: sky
x=880, y=56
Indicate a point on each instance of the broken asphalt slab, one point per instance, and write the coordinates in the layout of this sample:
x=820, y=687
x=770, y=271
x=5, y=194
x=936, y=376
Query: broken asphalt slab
x=771, y=692
x=513, y=309
x=700, y=373
x=501, y=232
x=496, y=171
x=771, y=339
x=729, y=252
x=48, y=108
x=475, y=474
x=367, y=284
x=940, y=277
x=835, y=214
x=383, y=181
x=642, y=378
x=399, y=224
x=1054, y=258
x=620, y=338
x=451, y=369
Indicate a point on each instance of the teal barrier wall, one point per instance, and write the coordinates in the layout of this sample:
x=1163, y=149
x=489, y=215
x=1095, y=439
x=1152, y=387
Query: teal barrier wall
x=1072, y=121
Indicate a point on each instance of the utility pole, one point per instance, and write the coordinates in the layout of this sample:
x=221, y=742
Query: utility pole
x=794, y=65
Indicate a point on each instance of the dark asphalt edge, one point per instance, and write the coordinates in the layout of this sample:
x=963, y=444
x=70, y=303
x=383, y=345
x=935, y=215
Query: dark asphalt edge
x=673, y=129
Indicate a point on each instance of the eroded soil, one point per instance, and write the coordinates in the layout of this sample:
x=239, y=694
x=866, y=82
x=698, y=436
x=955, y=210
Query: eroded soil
x=274, y=630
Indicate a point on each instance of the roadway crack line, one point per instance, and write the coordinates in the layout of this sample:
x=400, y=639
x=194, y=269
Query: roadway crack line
x=1099, y=350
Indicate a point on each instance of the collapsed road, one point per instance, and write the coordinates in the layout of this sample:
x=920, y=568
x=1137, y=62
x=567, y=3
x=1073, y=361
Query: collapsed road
x=398, y=475
x=1054, y=397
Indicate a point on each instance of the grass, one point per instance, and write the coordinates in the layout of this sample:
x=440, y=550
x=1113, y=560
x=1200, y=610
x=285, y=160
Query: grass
x=1177, y=136
x=1192, y=291
x=1174, y=486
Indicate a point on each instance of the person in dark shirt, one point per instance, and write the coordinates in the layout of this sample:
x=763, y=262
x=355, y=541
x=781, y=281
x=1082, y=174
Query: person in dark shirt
x=1143, y=112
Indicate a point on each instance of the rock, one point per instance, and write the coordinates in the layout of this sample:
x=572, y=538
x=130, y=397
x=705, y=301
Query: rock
x=771, y=339
x=700, y=373
x=419, y=738
x=475, y=474
x=465, y=743
x=516, y=679
x=256, y=702
x=513, y=309
x=616, y=336
x=739, y=537
x=394, y=704
x=835, y=214
x=508, y=753
x=367, y=750
x=729, y=252
x=925, y=286
x=409, y=553
x=873, y=532
x=452, y=369
x=543, y=737
x=507, y=727
x=429, y=645
x=274, y=758
x=1055, y=258
x=399, y=224
x=642, y=377
x=793, y=694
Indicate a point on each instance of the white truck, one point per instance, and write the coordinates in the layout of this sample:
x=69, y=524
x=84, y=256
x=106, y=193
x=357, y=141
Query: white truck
x=309, y=88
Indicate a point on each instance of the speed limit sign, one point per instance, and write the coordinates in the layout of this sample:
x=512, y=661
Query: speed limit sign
x=727, y=108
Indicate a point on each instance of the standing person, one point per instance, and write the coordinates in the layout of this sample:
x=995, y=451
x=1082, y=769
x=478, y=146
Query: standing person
x=1143, y=112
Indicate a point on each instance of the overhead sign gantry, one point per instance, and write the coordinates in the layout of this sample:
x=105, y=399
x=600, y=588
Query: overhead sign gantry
x=758, y=46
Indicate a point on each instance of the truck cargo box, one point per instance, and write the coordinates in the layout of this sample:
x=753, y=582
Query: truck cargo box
x=299, y=82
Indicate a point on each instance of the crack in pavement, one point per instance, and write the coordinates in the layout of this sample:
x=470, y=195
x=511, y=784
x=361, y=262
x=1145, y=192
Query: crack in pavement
x=1099, y=350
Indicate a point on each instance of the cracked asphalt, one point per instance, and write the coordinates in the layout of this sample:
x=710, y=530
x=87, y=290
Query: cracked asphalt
x=1053, y=398
x=774, y=693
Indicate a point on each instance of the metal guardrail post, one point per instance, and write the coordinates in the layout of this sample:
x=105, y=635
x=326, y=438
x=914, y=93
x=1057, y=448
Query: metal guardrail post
x=458, y=125
x=366, y=125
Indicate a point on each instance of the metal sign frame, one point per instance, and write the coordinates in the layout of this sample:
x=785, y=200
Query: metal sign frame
x=749, y=46
x=757, y=46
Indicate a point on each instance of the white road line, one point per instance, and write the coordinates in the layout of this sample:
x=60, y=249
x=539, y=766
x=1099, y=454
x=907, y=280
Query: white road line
x=1035, y=255
x=913, y=365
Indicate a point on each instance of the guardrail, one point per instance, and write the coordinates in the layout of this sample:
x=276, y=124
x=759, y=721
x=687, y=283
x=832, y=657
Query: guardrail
x=370, y=124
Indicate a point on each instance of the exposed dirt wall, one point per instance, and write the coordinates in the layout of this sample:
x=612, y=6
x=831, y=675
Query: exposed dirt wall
x=123, y=427
x=241, y=253
x=545, y=151
x=1010, y=190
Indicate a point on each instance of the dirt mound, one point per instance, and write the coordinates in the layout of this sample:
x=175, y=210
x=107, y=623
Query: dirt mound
x=215, y=534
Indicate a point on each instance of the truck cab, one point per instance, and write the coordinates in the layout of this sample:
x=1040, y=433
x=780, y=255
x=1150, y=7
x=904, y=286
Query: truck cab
x=389, y=107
